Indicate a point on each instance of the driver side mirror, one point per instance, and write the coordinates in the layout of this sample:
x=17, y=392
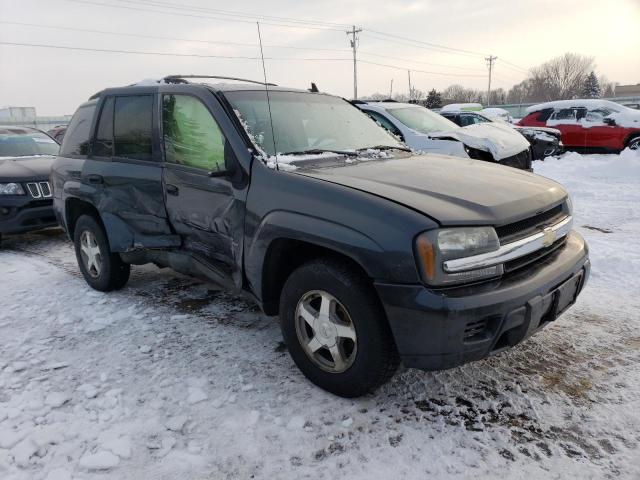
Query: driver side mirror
x=609, y=121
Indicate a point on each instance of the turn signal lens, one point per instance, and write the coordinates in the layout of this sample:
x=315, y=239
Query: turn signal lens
x=426, y=257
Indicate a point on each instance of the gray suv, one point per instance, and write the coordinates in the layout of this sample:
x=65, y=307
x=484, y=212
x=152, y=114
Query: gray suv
x=369, y=254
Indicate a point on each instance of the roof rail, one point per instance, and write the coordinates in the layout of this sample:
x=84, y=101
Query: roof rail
x=182, y=79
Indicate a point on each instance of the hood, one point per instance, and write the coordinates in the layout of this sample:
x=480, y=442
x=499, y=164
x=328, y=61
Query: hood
x=501, y=141
x=451, y=190
x=25, y=168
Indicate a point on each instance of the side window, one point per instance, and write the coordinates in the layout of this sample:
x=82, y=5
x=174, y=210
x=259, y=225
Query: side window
x=132, y=126
x=76, y=140
x=191, y=135
x=564, y=114
x=384, y=122
x=103, y=145
x=466, y=120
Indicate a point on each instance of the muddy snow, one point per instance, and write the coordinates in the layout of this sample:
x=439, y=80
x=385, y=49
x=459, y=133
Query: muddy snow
x=171, y=378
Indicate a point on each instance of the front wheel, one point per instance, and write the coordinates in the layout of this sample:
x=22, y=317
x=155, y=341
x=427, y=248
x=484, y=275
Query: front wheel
x=336, y=330
x=101, y=268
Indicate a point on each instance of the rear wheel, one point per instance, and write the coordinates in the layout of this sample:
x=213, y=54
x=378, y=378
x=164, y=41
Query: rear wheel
x=336, y=329
x=101, y=268
x=634, y=143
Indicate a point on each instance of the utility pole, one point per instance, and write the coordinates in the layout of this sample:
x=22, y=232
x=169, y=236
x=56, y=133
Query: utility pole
x=354, y=45
x=490, y=59
x=409, y=74
x=391, y=89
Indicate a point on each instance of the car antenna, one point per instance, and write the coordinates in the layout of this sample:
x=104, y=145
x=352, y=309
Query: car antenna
x=266, y=87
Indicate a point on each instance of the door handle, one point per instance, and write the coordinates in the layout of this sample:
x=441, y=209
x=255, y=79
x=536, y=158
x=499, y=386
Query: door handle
x=172, y=189
x=95, y=179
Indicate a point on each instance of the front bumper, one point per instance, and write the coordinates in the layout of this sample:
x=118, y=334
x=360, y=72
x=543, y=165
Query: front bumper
x=20, y=214
x=440, y=329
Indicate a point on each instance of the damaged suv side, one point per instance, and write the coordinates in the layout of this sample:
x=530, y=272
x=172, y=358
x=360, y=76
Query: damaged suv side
x=369, y=253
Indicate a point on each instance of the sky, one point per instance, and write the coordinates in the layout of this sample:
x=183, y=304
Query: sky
x=396, y=36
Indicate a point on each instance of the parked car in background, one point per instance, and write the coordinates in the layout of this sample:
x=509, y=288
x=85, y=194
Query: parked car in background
x=422, y=129
x=368, y=252
x=496, y=113
x=544, y=141
x=26, y=155
x=588, y=124
x=57, y=133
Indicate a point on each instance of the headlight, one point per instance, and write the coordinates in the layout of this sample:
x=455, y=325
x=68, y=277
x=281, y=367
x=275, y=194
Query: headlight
x=11, y=189
x=435, y=247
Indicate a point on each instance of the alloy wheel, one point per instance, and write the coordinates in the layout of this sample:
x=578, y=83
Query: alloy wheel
x=325, y=331
x=90, y=253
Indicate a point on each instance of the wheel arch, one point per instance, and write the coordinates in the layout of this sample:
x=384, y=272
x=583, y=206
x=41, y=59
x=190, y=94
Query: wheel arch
x=632, y=136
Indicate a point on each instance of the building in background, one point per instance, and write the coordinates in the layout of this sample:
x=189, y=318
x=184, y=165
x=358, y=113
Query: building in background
x=27, y=117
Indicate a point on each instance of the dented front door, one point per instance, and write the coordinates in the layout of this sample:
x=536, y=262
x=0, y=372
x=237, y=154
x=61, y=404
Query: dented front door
x=204, y=195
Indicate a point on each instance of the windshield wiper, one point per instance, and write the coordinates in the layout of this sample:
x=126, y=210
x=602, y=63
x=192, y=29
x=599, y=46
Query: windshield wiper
x=314, y=151
x=385, y=147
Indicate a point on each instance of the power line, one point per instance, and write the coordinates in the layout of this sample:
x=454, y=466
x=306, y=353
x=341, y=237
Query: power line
x=513, y=65
x=234, y=13
x=168, y=54
x=431, y=45
x=182, y=14
x=396, y=67
x=417, y=61
x=157, y=37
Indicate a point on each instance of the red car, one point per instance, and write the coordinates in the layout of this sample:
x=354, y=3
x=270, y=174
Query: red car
x=588, y=124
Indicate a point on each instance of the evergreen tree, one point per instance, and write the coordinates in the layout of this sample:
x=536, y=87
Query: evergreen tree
x=591, y=87
x=434, y=100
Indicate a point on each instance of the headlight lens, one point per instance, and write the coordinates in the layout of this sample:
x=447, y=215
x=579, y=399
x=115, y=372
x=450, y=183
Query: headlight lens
x=11, y=189
x=435, y=247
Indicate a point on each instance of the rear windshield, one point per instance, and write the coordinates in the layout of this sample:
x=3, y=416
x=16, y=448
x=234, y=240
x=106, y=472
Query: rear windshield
x=422, y=120
x=20, y=142
x=304, y=121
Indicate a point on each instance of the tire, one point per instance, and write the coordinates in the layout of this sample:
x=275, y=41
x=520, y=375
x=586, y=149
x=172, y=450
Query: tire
x=634, y=143
x=370, y=357
x=107, y=271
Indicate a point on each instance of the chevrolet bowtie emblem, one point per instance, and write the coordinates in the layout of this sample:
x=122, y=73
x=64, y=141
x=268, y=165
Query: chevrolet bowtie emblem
x=548, y=237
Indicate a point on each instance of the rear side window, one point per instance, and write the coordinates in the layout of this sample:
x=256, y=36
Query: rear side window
x=132, y=127
x=76, y=139
x=103, y=145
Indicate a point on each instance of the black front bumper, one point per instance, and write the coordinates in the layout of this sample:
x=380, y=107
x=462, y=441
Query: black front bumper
x=435, y=330
x=20, y=214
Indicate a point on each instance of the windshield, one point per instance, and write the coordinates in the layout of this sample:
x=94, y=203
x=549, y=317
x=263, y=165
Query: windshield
x=21, y=142
x=307, y=121
x=422, y=120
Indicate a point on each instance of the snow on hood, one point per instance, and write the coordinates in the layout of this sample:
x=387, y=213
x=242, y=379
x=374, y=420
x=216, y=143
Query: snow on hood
x=590, y=103
x=500, y=140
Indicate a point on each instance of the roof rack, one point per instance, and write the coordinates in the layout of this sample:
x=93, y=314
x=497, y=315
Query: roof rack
x=182, y=79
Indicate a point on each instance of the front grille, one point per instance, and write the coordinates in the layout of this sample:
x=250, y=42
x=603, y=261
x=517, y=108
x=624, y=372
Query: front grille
x=533, y=256
x=524, y=228
x=39, y=189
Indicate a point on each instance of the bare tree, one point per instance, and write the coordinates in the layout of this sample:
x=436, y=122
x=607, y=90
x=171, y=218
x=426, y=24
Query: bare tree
x=460, y=94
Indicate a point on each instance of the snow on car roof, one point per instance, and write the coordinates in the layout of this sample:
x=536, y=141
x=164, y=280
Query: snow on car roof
x=462, y=107
x=392, y=105
x=577, y=102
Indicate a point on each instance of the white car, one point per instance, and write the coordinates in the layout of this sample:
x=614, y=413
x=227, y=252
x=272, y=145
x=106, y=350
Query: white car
x=421, y=129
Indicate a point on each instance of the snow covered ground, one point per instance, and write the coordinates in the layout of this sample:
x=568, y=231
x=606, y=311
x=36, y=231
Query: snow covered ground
x=170, y=378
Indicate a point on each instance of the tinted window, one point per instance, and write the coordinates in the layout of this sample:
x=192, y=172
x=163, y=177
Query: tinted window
x=76, y=139
x=21, y=142
x=191, y=135
x=470, y=119
x=132, y=126
x=103, y=145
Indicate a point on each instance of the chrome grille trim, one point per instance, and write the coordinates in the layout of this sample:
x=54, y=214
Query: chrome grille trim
x=39, y=189
x=34, y=190
x=511, y=251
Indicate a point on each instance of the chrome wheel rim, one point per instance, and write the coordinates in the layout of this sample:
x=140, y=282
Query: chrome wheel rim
x=325, y=331
x=634, y=144
x=90, y=253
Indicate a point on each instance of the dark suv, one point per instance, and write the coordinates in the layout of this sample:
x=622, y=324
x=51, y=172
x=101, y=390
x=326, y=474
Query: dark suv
x=369, y=253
